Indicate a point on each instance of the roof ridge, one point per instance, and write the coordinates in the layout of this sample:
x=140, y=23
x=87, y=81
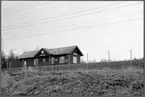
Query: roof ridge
x=62, y=47
x=53, y=51
x=31, y=51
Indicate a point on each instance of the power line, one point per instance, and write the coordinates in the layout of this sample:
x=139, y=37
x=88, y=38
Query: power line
x=12, y=33
x=77, y=28
x=69, y=17
x=26, y=5
x=29, y=6
x=19, y=4
x=38, y=4
x=47, y=3
x=80, y=28
x=63, y=15
x=131, y=13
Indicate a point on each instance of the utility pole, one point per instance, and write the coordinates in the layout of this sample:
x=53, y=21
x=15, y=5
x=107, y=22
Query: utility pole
x=7, y=64
x=109, y=57
x=37, y=62
x=52, y=62
x=68, y=64
x=55, y=59
x=87, y=61
x=131, y=57
x=59, y=66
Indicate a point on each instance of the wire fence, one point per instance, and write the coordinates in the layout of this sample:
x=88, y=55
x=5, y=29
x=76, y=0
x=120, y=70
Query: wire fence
x=81, y=66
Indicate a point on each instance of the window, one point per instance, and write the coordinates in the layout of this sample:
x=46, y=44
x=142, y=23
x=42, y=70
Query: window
x=74, y=59
x=25, y=64
x=61, y=59
x=44, y=59
x=52, y=60
x=74, y=53
x=42, y=52
x=34, y=61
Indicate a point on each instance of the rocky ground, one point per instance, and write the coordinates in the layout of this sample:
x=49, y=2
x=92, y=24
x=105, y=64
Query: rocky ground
x=85, y=83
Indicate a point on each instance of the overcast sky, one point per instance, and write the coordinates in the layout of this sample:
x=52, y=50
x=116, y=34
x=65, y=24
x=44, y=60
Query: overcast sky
x=95, y=26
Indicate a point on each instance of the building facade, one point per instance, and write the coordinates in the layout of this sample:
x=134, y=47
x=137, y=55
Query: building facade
x=56, y=56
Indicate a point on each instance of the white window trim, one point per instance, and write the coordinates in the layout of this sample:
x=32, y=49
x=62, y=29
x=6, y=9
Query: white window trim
x=34, y=61
x=75, y=59
x=25, y=63
x=75, y=54
x=61, y=59
x=42, y=52
x=43, y=60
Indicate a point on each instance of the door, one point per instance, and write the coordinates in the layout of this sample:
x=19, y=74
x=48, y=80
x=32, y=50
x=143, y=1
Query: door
x=25, y=64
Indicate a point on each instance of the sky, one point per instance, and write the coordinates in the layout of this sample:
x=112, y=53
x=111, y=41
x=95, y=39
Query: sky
x=96, y=27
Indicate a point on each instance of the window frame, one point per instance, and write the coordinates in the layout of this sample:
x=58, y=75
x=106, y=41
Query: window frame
x=76, y=60
x=62, y=59
x=25, y=63
x=42, y=52
x=43, y=60
x=34, y=62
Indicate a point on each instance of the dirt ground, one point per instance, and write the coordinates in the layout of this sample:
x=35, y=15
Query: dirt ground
x=85, y=83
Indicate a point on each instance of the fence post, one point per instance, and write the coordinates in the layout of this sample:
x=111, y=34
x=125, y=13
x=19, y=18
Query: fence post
x=59, y=67
x=68, y=64
x=109, y=58
x=131, y=57
x=52, y=63
x=87, y=61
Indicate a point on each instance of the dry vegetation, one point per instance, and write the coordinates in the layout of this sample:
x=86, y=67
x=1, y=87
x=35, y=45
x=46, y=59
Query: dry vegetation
x=92, y=82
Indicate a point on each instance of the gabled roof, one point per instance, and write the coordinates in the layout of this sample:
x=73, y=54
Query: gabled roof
x=28, y=54
x=54, y=51
x=61, y=50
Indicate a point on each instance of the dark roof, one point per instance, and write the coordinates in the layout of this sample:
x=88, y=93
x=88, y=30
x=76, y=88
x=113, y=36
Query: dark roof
x=54, y=51
x=28, y=54
x=61, y=50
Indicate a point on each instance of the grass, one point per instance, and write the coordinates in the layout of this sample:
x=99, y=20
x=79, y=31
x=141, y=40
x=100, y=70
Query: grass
x=127, y=81
x=115, y=65
x=99, y=80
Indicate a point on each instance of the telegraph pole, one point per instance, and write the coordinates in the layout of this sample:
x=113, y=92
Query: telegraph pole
x=55, y=61
x=109, y=57
x=68, y=64
x=52, y=63
x=131, y=57
x=87, y=61
x=59, y=66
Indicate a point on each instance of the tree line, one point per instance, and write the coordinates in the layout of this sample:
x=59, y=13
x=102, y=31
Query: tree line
x=6, y=59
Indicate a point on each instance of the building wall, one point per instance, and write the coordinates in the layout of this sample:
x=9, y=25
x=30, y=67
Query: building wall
x=65, y=61
x=71, y=57
x=14, y=64
x=29, y=62
x=68, y=60
x=78, y=56
x=78, y=59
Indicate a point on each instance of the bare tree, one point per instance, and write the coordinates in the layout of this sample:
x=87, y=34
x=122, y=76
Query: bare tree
x=3, y=57
x=12, y=55
x=37, y=48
